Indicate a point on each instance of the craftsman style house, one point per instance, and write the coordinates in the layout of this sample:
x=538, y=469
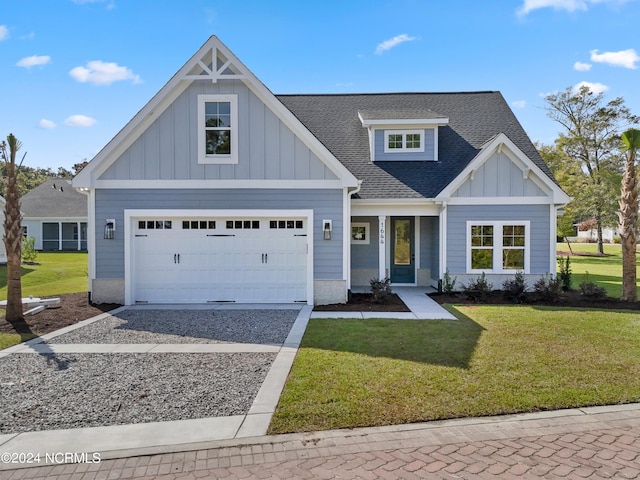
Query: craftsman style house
x=220, y=191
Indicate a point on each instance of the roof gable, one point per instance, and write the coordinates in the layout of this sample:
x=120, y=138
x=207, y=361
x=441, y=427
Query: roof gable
x=501, y=159
x=214, y=63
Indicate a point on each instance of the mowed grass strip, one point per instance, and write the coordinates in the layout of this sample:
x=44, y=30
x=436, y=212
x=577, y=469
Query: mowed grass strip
x=605, y=271
x=56, y=273
x=494, y=360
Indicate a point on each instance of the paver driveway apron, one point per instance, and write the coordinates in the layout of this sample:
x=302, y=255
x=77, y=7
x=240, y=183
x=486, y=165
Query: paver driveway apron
x=143, y=377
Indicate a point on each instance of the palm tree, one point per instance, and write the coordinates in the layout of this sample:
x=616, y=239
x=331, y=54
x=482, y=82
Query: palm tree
x=12, y=234
x=628, y=215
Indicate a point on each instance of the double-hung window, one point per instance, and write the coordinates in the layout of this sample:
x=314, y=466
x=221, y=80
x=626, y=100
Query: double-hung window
x=218, y=129
x=397, y=141
x=498, y=247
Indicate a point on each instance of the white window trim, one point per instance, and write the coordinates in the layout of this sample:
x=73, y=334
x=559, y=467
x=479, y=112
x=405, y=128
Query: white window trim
x=404, y=134
x=367, y=233
x=203, y=158
x=498, y=247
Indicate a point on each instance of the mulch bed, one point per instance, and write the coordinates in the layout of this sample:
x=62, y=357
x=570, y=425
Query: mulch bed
x=361, y=302
x=73, y=308
x=572, y=298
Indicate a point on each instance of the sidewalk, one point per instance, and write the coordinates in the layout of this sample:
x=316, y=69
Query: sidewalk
x=595, y=442
x=421, y=305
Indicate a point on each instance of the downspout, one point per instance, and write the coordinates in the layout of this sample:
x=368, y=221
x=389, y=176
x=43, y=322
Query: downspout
x=348, y=235
x=90, y=236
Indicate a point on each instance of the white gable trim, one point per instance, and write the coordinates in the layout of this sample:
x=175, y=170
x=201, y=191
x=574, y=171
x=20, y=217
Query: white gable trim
x=502, y=143
x=177, y=85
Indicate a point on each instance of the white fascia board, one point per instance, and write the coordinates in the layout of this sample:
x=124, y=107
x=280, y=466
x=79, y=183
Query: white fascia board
x=172, y=90
x=219, y=184
x=503, y=142
x=404, y=122
x=499, y=201
x=394, y=207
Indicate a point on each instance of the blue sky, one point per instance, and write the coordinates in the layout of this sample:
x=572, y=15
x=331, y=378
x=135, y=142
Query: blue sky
x=74, y=72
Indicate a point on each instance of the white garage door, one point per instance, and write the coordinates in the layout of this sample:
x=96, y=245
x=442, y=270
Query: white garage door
x=201, y=260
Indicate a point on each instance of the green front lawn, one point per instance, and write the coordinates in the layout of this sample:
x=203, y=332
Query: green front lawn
x=494, y=360
x=605, y=271
x=57, y=273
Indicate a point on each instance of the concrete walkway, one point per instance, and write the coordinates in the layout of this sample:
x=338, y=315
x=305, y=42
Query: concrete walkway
x=421, y=305
x=592, y=443
x=161, y=435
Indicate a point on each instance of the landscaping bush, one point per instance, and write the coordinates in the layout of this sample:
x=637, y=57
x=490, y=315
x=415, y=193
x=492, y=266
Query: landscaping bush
x=29, y=253
x=514, y=290
x=478, y=289
x=448, y=283
x=591, y=289
x=548, y=288
x=380, y=290
x=564, y=264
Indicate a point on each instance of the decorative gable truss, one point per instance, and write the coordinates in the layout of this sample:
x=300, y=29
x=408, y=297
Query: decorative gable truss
x=214, y=65
x=501, y=173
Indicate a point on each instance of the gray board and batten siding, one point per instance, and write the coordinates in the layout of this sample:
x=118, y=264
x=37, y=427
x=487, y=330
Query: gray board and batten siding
x=538, y=215
x=499, y=177
x=325, y=203
x=267, y=149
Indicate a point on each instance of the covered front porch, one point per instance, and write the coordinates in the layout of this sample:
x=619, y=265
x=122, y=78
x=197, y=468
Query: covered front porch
x=403, y=245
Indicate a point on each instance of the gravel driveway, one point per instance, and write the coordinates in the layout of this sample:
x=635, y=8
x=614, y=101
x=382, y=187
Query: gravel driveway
x=72, y=390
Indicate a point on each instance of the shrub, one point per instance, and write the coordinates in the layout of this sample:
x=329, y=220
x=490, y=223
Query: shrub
x=591, y=289
x=548, y=288
x=29, y=253
x=448, y=283
x=514, y=289
x=478, y=289
x=564, y=264
x=380, y=290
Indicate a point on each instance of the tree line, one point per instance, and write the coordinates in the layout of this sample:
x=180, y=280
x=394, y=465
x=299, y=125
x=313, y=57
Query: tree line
x=29, y=178
x=593, y=160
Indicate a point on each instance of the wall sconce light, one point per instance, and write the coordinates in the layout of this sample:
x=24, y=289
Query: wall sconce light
x=110, y=229
x=326, y=229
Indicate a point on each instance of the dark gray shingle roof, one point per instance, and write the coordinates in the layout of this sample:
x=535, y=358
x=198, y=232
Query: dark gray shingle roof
x=44, y=201
x=474, y=118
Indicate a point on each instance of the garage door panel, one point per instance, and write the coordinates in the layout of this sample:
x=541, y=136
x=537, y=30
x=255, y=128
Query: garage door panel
x=197, y=260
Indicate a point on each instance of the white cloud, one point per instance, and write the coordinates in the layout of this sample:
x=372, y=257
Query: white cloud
x=393, y=42
x=582, y=67
x=34, y=60
x=47, y=124
x=4, y=32
x=593, y=87
x=79, y=121
x=623, y=58
x=110, y=3
x=519, y=103
x=568, y=5
x=103, y=73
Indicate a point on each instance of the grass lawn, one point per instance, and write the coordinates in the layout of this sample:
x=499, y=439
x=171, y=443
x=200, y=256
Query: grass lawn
x=605, y=271
x=494, y=360
x=57, y=273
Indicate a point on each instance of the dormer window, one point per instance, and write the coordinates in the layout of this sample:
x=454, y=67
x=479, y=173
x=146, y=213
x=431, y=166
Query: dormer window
x=397, y=135
x=400, y=141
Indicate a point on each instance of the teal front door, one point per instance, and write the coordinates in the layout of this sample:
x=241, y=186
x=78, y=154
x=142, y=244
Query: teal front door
x=403, y=266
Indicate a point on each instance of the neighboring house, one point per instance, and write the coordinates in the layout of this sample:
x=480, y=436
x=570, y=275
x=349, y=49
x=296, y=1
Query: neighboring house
x=218, y=190
x=55, y=214
x=608, y=234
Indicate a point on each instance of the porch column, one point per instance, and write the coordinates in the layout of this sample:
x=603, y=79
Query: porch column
x=382, y=261
x=79, y=235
